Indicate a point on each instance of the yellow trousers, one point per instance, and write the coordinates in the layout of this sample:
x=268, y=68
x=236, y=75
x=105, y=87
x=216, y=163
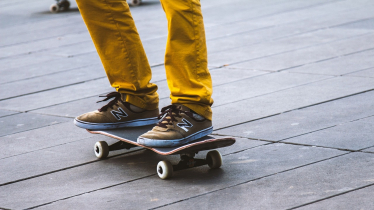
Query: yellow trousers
x=118, y=44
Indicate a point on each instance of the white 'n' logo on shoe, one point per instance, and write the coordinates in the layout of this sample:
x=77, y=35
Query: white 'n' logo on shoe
x=185, y=125
x=119, y=113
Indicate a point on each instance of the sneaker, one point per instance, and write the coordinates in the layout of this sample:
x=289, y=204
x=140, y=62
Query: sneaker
x=116, y=114
x=178, y=125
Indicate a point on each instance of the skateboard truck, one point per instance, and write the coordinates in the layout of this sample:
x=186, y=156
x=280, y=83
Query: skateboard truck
x=164, y=168
x=61, y=5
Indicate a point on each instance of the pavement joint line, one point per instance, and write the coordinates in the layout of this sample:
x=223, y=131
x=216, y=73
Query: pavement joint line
x=276, y=91
x=262, y=28
x=331, y=58
x=296, y=49
x=11, y=114
x=273, y=26
x=54, y=88
x=245, y=78
x=48, y=74
x=2, y=208
x=70, y=167
x=57, y=145
x=332, y=196
x=103, y=188
x=303, y=107
x=41, y=39
x=1, y=135
x=296, y=144
x=252, y=180
x=43, y=50
x=346, y=74
x=287, y=10
x=62, y=103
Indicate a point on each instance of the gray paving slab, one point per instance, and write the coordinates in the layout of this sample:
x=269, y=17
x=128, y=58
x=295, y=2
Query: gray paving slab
x=49, y=67
x=142, y=164
x=57, y=96
x=293, y=188
x=289, y=42
x=358, y=199
x=239, y=167
x=50, y=27
x=73, y=108
x=58, y=157
x=353, y=136
x=261, y=85
x=312, y=54
x=26, y=121
x=363, y=73
x=51, y=81
x=29, y=59
x=41, y=138
x=4, y=113
x=264, y=9
x=371, y=149
x=35, y=46
x=341, y=65
x=286, y=100
x=310, y=119
x=224, y=75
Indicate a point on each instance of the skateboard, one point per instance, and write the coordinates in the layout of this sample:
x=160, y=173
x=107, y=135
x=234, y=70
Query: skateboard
x=64, y=5
x=127, y=139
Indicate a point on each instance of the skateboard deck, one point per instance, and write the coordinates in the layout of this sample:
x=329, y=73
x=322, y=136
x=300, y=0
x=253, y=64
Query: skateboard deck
x=127, y=138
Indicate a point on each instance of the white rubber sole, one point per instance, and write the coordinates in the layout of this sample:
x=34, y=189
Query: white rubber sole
x=175, y=142
x=105, y=126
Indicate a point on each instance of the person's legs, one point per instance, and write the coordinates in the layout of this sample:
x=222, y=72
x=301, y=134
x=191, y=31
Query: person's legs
x=118, y=44
x=188, y=77
x=186, y=57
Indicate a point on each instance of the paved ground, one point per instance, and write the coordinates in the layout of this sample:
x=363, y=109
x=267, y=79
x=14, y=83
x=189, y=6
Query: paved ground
x=293, y=81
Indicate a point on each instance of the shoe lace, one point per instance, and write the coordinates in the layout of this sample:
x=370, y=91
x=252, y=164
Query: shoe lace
x=115, y=95
x=168, y=115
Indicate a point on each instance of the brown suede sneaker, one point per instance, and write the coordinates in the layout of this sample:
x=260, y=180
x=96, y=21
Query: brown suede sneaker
x=178, y=125
x=116, y=114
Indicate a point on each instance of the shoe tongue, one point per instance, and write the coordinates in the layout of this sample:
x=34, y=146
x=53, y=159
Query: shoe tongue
x=135, y=108
x=183, y=108
x=123, y=97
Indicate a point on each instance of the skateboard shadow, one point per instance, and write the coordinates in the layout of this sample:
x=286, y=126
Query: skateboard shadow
x=145, y=161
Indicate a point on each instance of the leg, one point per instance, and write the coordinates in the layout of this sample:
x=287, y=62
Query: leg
x=188, y=79
x=186, y=56
x=118, y=44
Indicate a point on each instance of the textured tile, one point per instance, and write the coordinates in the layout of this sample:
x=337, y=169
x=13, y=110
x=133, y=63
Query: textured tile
x=306, y=120
x=57, y=96
x=296, y=56
x=295, y=187
x=41, y=138
x=26, y=121
x=358, y=199
x=294, y=98
x=340, y=65
x=363, y=73
x=51, y=81
x=4, y=113
x=260, y=85
x=237, y=168
x=353, y=136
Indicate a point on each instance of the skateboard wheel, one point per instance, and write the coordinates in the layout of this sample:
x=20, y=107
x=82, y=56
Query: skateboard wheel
x=164, y=169
x=214, y=159
x=136, y=2
x=101, y=149
x=54, y=8
x=65, y=5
